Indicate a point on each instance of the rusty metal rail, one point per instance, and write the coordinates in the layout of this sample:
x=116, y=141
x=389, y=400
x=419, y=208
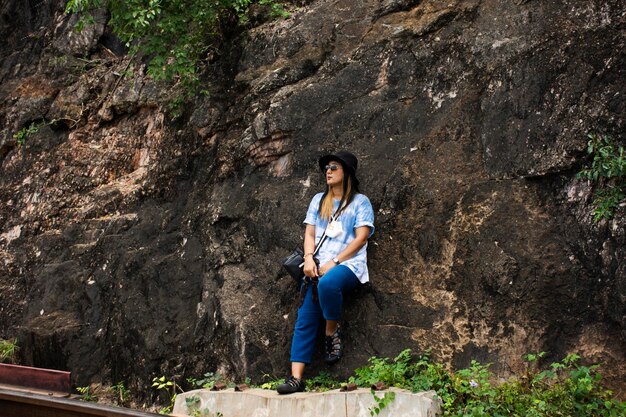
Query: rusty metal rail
x=26, y=404
x=36, y=379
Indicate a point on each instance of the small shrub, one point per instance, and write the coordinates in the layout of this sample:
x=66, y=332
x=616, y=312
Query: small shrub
x=606, y=201
x=608, y=170
x=322, y=382
x=175, y=106
x=381, y=402
x=8, y=349
x=175, y=34
x=394, y=372
x=193, y=408
x=271, y=382
x=170, y=388
x=566, y=388
x=207, y=381
x=121, y=393
x=86, y=394
x=24, y=133
x=193, y=405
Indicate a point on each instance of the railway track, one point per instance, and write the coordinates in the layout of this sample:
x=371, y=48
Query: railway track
x=28, y=404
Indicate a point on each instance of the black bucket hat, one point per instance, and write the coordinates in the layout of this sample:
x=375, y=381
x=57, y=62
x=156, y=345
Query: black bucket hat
x=347, y=159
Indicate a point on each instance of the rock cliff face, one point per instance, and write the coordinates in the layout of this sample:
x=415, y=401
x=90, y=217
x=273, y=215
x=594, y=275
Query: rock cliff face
x=135, y=244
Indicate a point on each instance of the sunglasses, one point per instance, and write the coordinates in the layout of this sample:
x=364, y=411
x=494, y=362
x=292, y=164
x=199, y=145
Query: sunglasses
x=332, y=167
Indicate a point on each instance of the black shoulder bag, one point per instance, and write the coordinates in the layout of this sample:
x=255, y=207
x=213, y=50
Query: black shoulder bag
x=294, y=263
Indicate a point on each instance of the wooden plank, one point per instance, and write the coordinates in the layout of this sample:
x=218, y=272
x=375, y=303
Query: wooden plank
x=36, y=378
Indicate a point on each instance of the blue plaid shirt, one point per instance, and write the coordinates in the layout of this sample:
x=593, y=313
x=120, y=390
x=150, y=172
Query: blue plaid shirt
x=357, y=214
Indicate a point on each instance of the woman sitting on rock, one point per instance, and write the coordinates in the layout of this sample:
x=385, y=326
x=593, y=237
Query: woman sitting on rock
x=346, y=218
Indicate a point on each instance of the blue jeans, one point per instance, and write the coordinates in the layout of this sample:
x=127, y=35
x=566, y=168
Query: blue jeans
x=330, y=290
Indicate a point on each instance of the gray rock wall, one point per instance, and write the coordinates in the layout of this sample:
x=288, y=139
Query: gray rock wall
x=135, y=245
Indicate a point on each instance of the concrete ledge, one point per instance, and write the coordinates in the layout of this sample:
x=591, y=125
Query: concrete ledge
x=266, y=403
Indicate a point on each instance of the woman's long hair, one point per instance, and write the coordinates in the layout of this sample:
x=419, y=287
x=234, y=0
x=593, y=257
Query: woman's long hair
x=350, y=189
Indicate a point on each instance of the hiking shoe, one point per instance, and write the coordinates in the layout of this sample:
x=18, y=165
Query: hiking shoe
x=291, y=385
x=334, y=348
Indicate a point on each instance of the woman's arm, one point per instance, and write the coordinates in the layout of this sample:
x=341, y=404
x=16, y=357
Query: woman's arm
x=361, y=235
x=310, y=268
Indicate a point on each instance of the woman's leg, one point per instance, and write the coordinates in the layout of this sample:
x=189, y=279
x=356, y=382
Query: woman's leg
x=309, y=316
x=331, y=288
x=297, y=369
x=305, y=332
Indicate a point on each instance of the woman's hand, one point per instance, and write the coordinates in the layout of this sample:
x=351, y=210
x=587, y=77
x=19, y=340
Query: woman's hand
x=310, y=267
x=327, y=267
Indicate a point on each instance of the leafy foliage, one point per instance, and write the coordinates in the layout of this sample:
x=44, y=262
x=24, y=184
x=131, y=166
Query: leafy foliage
x=8, y=349
x=193, y=408
x=608, y=168
x=271, y=382
x=86, y=394
x=193, y=405
x=404, y=371
x=169, y=388
x=176, y=35
x=322, y=382
x=566, y=388
x=24, y=133
x=121, y=393
x=381, y=402
x=209, y=379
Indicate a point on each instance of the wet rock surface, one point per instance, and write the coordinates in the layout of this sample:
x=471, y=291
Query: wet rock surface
x=134, y=244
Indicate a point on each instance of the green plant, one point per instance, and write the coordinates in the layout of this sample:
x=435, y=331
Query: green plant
x=176, y=35
x=207, y=381
x=175, y=106
x=193, y=408
x=472, y=386
x=122, y=394
x=392, y=372
x=606, y=201
x=381, y=402
x=8, y=349
x=565, y=388
x=322, y=382
x=277, y=9
x=58, y=61
x=531, y=358
x=25, y=132
x=271, y=382
x=608, y=169
x=170, y=388
x=86, y=394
